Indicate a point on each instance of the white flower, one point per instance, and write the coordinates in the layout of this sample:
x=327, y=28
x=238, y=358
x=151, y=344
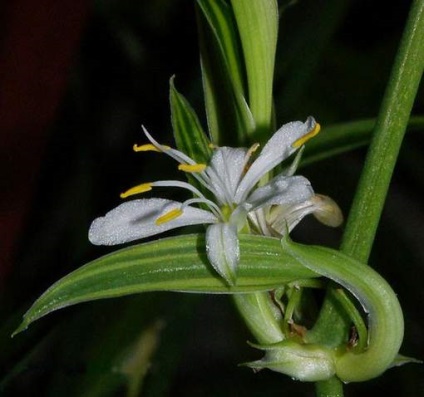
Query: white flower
x=232, y=180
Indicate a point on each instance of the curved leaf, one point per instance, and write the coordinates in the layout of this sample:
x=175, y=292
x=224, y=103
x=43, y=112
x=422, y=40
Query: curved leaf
x=379, y=301
x=171, y=264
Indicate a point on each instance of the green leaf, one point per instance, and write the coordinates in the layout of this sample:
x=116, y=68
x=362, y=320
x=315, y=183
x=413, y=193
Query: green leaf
x=389, y=131
x=340, y=138
x=188, y=133
x=388, y=134
x=172, y=264
x=257, y=23
x=221, y=22
x=229, y=118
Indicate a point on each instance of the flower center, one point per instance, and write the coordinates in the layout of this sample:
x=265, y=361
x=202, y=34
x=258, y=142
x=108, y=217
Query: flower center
x=226, y=211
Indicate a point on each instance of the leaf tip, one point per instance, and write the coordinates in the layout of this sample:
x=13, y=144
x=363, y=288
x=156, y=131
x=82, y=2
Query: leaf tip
x=22, y=327
x=171, y=82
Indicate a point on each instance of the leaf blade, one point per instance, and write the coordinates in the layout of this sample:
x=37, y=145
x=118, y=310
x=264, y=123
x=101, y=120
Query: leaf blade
x=230, y=120
x=188, y=132
x=257, y=22
x=171, y=264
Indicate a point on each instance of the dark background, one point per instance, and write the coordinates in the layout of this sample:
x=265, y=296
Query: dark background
x=77, y=79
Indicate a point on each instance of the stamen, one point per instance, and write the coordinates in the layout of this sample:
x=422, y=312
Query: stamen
x=182, y=159
x=253, y=149
x=148, y=147
x=307, y=136
x=192, y=167
x=169, y=216
x=249, y=153
x=212, y=146
x=212, y=206
x=181, y=184
x=144, y=187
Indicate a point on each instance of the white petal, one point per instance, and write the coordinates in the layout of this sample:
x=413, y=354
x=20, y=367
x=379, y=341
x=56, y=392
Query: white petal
x=222, y=248
x=258, y=219
x=136, y=219
x=238, y=217
x=225, y=171
x=327, y=211
x=277, y=149
x=283, y=217
x=286, y=190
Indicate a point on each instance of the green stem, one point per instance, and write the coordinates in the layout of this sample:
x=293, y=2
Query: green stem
x=388, y=134
x=261, y=316
x=329, y=388
x=381, y=159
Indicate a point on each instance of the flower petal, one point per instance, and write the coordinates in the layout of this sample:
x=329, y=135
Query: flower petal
x=283, y=217
x=225, y=171
x=286, y=190
x=278, y=148
x=136, y=219
x=222, y=248
x=327, y=211
x=258, y=220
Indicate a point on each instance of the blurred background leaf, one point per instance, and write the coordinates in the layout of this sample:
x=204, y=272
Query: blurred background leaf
x=333, y=61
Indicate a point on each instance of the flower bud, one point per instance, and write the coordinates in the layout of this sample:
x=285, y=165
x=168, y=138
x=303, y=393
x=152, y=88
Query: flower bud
x=327, y=211
x=304, y=362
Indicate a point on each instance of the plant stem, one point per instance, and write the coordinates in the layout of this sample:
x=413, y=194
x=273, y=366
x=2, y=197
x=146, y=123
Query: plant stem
x=329, y=388
x=388, y=134
x=382, y=154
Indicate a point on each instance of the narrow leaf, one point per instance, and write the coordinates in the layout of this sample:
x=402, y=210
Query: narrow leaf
x=221, y=21
x=188, y=133
x=229, y=118
x=172, y=264
x=257, y=22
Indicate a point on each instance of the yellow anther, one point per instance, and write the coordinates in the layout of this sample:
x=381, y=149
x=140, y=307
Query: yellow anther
x=253, y=149
x=249, y=153
x=169, y=216
x=192, y=167
x=307, y=136
x=144, y=187
x=148, y=147
x=212, y=145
